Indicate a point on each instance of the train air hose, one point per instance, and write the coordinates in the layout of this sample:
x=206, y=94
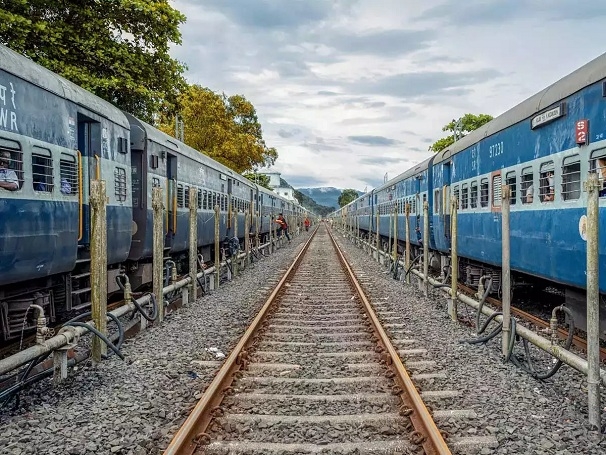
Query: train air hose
x=139, y=308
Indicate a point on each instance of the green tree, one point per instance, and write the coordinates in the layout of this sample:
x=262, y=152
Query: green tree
x=225, y=128
x=259, y=179
x=469, y=122
x=117, y=49
x=347, y=196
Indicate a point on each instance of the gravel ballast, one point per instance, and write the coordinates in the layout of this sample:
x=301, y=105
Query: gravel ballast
x=135, y=406
x=527, y=416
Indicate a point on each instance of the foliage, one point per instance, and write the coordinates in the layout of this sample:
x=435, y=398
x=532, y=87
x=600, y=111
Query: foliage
x=225, y=128
x=312, y=205
x=347, y=196
x=469, y=122
x=117, y=49
x=259, y=179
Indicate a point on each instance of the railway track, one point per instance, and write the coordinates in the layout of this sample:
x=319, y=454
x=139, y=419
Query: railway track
x=317, y=373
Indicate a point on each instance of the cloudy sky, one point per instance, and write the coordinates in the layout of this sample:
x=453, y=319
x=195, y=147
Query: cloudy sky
x=348, y=90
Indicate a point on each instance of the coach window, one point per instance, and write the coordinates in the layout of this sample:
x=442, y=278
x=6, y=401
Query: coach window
x=546, y=182
x=473, y=195
x=179, y=195
x=68, y=172
x=11, y=164
x=497, y=184
x=42, y=170
x=120, y=184
x=464, y=196
x=527, y=186
x=598, y=164
x=571, y=178
x=186, y=197
x=484, y=193
x=437, y=204
x=199, y=199
x=510, y=181
x=456, y=196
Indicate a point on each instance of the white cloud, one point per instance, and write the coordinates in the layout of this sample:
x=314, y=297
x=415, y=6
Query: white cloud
x=387, y=73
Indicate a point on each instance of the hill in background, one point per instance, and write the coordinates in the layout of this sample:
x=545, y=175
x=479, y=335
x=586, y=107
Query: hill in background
x=327, y=196
x=308, y=202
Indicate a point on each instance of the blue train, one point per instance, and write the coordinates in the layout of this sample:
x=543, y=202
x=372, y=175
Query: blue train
x=544, y=148
x=55, y=137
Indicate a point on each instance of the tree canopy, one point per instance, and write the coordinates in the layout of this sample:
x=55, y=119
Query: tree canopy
x=259, y=179
x=347, y=196
x=225, y=128
x=117, y=49
x=469, y=122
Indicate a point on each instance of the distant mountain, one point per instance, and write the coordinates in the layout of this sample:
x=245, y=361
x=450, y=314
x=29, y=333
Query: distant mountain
x=327, y=195
x=308, y=202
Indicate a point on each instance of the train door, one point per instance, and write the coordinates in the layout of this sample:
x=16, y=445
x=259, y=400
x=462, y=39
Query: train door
x=89, y=144
x=445, y=216
x=171, y=198
x=139, y=192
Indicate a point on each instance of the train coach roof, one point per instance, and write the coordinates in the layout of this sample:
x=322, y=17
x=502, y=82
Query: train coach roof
x=588, y=74
x=29, y=71
x=422, y=166
x=159, y=137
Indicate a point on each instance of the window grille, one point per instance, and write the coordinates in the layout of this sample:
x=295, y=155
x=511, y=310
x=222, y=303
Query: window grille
x=497, y=190
x=179, y=195
x=42, y=170
x=510, y=180
x=527, y=186
x=571, y=178
x=186, y=196
x=546, y=183
x=11, y=166
x=200, y=199
x=484, y=193
x=598, y=165
x=473, y=195
x=68, y=171
x=456, y=196
x=120, y=184
x=464, y=196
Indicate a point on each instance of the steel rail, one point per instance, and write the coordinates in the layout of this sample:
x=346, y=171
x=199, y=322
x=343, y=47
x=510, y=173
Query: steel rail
x=193, y=431
x=420, y=417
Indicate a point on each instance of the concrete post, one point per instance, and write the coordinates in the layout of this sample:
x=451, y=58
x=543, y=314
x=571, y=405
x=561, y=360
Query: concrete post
x=426, y=247
x=98, y=261
x=454, y=259
x=217, y=256
x=247, y=237
x=193, y=244
x=505, y=268
x=378, y=240
x=593, y=301
x=60, y=365
x=158, y=251
x=407, y=261
x=395, y=234
x=234, y=259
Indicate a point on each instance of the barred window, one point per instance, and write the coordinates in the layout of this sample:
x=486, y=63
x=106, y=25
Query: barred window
x=199, y=199
x=120, y=184
x=11, y=164
x=484, y=193
x=437, y=203
x=186, y=197
x=179, y=195
x=464, y=196
x=456, y=196
x=571, y=178
x=510, y=180
x=68, y=171
x=497, y=184
x=473, y=195
x=42, y=170
x=598, y=164
x=527, y=186
x=546, y=183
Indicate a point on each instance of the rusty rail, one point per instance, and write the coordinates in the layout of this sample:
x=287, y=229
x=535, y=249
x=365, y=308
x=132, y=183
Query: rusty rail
x=414, y=407
x=193, y=431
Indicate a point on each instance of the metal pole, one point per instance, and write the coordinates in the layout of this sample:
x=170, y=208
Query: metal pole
x=505, y=267
x=158, y=250
x=426, y=246
x=378, y=235
x=193, y=243
x=407, y=262
x=454, y=260
x=217, y=257
x=593, y=301
x=98, y=270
